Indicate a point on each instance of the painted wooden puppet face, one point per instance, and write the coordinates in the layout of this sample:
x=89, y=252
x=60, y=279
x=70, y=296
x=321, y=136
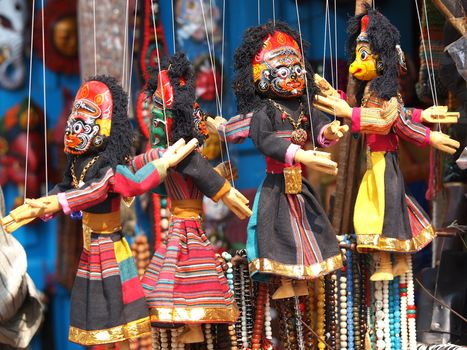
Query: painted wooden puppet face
x=364, y=65
x=90, y=119
x=278, y=68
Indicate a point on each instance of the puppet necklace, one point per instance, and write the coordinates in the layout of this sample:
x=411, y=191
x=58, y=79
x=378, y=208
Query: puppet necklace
x=80, y=183
x=299, y=135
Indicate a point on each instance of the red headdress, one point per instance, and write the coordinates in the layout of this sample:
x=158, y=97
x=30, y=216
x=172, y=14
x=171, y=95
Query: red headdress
x=363, y=36
x=94, y=100
x=274, y=42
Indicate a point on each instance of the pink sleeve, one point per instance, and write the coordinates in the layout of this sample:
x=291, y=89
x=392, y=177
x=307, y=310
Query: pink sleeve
x=290, y=153
x=324, y=142
x=356, y=113
x=427, y=138
x=417, y=115
x=64, y=203
x=342, y=95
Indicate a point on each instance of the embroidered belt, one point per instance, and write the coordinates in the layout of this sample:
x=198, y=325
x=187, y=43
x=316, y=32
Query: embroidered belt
x=187, y=208
x=275, y=167
x=107, y=223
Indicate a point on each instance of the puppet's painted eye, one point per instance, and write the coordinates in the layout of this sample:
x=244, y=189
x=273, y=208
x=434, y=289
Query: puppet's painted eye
x=364, y=55
x=77, y=128
x=298, y=70
x=283, y=72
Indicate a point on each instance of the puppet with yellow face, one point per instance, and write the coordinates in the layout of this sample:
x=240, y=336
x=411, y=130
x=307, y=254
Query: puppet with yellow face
x=386, y=219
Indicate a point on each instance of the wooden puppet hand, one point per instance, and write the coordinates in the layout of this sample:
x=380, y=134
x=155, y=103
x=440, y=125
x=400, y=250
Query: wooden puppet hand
x=237, y=203
x=213, y=124
x=443, y=142
x=325, y=88
x=178, y=151
x=31, y=209
x=439, y=114
x=335, y=130
x=224, y=170
x=333, y=105
x=316, y=160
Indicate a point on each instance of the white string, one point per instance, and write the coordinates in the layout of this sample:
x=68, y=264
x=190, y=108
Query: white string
x=259, y=12
x=45, y=102
x=29, y=101
x=335, y=45
x=125, y=45
x=210, y=53
x=132, y=52
x=173, y=24
x=425, y=54
x=306, y=78
x=274, y=12
x=95, y=41
x=325, y=38
x=222, y=58
x=431, y=53
x=159, y=66
x=328, y=29
x=213, y=51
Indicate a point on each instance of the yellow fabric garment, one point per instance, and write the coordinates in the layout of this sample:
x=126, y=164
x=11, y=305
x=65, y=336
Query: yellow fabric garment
x=369, y=207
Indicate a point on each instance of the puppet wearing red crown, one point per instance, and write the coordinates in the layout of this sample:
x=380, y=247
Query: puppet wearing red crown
x=386, y=218
x=289, y=234
x=107, y=300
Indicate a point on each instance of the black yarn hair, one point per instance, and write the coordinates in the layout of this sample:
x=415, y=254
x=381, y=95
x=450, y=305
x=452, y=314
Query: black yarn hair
x=117, y=147
x=183, y=125
x=383, y=38
x=248, y=98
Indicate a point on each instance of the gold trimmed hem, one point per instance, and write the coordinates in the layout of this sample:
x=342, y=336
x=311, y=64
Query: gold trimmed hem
x=378, y=242
x=265, y=265
x=115, y=334
x=227, y=314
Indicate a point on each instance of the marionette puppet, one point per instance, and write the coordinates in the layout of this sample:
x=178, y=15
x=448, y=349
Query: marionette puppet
x=386, y=219
x=184, y=282
x=289, y=234
x=107, y=299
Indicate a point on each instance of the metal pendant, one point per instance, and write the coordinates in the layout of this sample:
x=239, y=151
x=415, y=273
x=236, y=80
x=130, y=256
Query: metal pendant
x=299, y=137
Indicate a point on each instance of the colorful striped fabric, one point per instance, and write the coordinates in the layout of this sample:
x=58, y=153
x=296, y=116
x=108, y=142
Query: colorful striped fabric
x=184, y=281
x=377, y=116
x=237, y=129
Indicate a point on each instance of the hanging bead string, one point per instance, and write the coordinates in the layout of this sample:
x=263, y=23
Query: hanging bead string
x=379, y=315
x=156, y=345
x=299, y=327
x=244, y=310
x=411, y=308
x=343, y=298
x=396, y=308
x=365, y=304
x=208, y=336
x=386, y=310
x=321, y=318
x=267, y=320
x=350, y=297
x=164, y=339
x=356, y=300
x=239, y=299
x=173, y=338
x=403, y=311
x=260, y=313
x=310, y=313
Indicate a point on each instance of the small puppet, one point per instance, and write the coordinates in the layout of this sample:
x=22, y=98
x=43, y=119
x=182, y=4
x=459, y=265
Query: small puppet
x=289, y=234
x=107, y=299
x=386, y=218
x=184, y=282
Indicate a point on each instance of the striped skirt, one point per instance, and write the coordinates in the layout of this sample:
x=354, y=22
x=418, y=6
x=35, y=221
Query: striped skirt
x=290, y=235
x=107, y=300
x=385, y=217
x=184, y=283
